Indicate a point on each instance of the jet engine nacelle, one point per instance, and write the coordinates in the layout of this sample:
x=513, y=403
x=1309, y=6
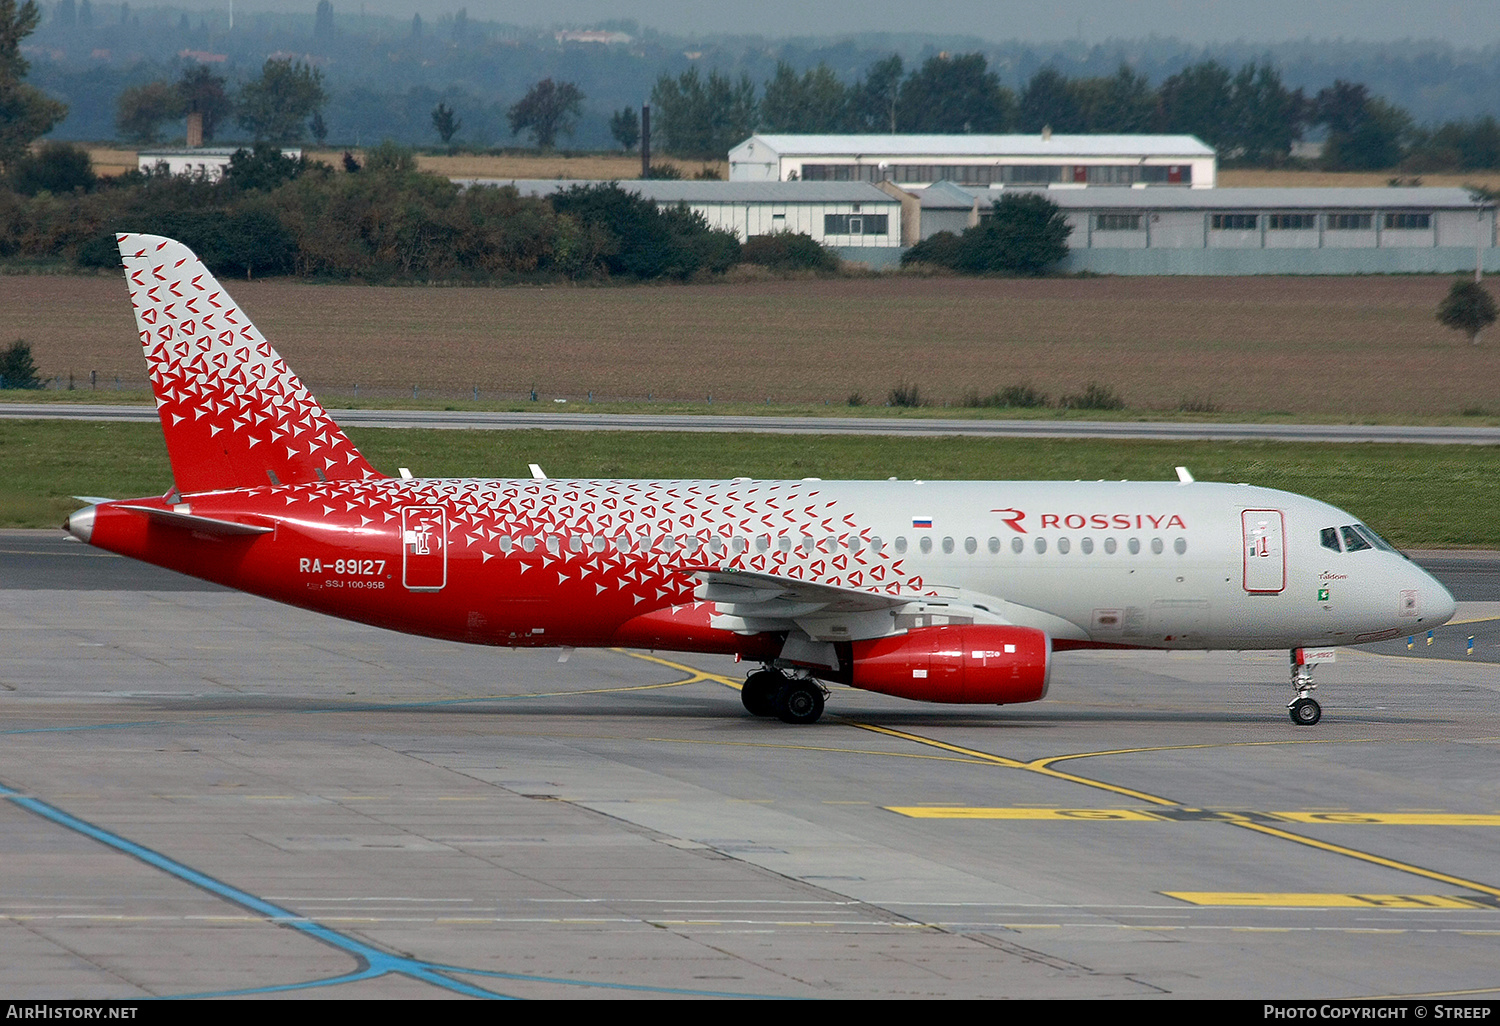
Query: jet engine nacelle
x=978, y=663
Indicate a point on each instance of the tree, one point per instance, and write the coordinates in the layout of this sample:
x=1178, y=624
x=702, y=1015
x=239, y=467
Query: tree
x=141, y=110
x=815, y=101
x=1047, y=101
x=202, y=93
x=1026, y=235
x=1364, y=133
x=25, y=112
x=702, y=118
x=625, y=127
x=547, y=108
x=275, y=107
x=1468, y=308
x=444, y=122
x=265, y=167
x=16, y=367
x=873, y=100
x=1198, y=101
x=1124, y=102
x=954, y=95
x=55, y=168
x=323, y=21
x=1266, y=116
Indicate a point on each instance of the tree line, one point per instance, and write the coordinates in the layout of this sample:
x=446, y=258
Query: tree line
x=1248, y=115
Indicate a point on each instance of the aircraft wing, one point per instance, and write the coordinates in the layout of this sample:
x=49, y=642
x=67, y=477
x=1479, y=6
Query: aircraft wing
x=747, y=601
x=751, y=602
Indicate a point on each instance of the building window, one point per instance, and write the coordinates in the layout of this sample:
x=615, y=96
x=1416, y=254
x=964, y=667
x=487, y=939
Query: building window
x=1291, y=222
x=1233, y=222
x=1408, y=221
x=1117, y=222
x=1349, y=222
x=856, y=224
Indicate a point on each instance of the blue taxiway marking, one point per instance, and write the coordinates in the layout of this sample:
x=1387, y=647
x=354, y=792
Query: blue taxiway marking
x=371, y=961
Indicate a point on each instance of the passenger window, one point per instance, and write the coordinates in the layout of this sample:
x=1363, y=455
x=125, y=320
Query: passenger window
x=668, y=543
x=784, y=543
x=738, y=544
x=1353, y=540
x=598, y=543
x=505, y=544
x=1156, y=546
x=994, y=544
x=971, y=545
x=926, y=545
x=1016, y=545
x=1331, y=538
x=575, y=544
x=900, y=544
x=1110, y=546
x=690, y=543
x=762, y=542
x=876, y=545
x=1134, y=546
x=1180, y=546
x=716, y=544
x=552, y=544
x=1087, y=545
x=1041, y=545
x=1063, y=545
x=948, y=545
x=807, y=543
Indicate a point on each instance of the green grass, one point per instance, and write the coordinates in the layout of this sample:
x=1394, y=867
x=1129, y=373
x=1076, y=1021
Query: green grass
x=1416, y=495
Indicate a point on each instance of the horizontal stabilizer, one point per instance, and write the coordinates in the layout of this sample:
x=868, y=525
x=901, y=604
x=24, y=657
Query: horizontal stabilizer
x=189, y=521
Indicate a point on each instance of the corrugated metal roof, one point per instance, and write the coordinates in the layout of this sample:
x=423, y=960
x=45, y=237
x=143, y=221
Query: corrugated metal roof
x=870, y=146
x=1097, y=197
x=661, y=190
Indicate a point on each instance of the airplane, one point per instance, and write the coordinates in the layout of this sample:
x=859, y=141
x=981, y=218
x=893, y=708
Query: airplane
x=950, y=592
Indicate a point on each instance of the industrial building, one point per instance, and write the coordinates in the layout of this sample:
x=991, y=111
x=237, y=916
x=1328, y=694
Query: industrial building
x=917, y=161
x=1247, y=231
x=849, y=217
x=208, y=162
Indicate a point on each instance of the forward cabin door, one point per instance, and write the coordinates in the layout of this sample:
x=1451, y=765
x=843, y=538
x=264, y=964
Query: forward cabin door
x=1264, y=550
x=424, y=548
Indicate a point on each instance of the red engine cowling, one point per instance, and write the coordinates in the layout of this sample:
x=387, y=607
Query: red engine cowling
x=977, y=663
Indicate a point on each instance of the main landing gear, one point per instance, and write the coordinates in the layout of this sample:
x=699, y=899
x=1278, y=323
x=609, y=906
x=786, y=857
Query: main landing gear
x=768, y=692
x=1304, y=710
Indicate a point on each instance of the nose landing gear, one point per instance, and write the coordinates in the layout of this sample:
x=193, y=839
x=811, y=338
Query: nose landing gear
x=1304, y=710
x=768, y=692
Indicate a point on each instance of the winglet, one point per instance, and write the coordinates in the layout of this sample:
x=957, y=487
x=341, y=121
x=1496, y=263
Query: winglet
x=233, y=413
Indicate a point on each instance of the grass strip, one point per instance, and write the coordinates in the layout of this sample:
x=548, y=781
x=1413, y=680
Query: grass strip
x=1418, y=496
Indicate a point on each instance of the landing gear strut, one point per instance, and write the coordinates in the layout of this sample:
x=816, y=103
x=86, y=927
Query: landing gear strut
x=768, y=692
x=1304, y=710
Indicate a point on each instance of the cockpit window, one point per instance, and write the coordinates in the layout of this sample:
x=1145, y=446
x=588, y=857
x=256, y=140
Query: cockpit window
x=1374, y=539
x=1331, y=538
x=1353, y=540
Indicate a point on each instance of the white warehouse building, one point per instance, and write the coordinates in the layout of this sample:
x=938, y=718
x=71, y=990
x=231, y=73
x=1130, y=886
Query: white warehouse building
x=915, y=161
x=843, y=216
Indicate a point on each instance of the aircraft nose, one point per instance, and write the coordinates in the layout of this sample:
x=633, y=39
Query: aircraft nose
x=81, y=524
x=1436, y=602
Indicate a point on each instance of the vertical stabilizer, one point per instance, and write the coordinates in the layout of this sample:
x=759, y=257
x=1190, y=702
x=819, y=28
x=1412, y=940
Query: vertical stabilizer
x=233, y=414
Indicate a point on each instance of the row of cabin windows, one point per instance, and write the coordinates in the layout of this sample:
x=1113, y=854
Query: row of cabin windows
x=1309, y=222
x=739, y=544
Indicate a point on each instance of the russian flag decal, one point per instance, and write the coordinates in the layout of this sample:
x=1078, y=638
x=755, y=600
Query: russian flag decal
x=921, y=522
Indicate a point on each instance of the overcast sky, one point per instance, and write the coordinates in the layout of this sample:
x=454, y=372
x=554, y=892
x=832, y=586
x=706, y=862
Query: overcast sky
x=1462, y=22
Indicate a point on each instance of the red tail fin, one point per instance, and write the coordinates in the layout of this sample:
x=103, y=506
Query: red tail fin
x=233, y=414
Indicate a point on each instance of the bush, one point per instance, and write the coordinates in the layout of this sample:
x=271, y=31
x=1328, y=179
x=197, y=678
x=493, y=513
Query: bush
x=55, y=168
x=1009, y=397
x=1025, y=235
x=905, y=395
x=1094, y=397
x=16, y=368
x=788, y=251
x=265, y=168
x=629, y=236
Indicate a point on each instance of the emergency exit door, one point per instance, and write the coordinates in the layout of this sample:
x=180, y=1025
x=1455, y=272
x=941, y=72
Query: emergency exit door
x=424, y=548
x=1264, y=550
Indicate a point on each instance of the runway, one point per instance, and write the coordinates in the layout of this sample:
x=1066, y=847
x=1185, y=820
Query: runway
x=913, y=426
x=205, y=793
